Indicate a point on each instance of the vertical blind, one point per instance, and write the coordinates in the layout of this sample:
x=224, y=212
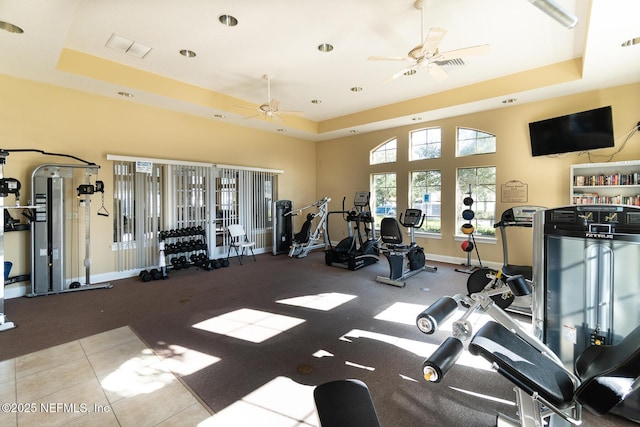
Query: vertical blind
x=138, y=214
x=173, y=195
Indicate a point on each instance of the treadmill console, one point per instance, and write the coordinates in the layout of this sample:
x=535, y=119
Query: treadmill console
x=518, y=216
x=361, y=198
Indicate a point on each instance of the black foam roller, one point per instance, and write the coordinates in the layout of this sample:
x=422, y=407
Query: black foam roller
x=518, y=285
x=444, y=358
x=429, y=320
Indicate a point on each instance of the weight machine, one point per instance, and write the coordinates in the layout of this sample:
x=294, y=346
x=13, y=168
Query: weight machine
x=545, y=390
x=52, y=226
x=305, y=241
x=7, y=186
x=396, y=251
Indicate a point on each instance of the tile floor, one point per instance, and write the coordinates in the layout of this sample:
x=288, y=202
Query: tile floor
x=109, y=379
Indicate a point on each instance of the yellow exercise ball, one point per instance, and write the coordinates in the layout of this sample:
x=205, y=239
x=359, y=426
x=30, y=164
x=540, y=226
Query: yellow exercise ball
x=467, y=228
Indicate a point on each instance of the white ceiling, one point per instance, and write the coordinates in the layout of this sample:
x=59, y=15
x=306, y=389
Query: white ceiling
x=280, y=38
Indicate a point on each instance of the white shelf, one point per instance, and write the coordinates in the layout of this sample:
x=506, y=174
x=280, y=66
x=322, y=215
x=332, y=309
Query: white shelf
x=615, y=183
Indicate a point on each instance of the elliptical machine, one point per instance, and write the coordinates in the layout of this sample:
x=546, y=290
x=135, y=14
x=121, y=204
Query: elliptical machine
x=396, y=251
x=358, y=249
x=305, y=241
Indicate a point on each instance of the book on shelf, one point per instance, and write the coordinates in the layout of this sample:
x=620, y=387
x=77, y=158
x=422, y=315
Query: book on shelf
x=607, y=180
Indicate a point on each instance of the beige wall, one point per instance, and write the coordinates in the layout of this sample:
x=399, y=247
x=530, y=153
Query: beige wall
x=343, y=164
x=54, y=119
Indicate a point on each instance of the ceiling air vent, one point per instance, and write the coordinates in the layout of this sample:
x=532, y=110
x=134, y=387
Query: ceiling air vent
x=450, y=62
x=130, y=47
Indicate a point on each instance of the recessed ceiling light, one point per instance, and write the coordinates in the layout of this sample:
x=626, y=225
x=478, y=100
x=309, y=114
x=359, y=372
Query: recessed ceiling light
x=228, y=20
x=10, y=28
x=353, y=131
x=316, y=101
x=325, y=47
x=509, y=100
x=410, y=72
x=188, y=53
x=631, y=42
x=356, y=89
x=126, y=94
x=281, y=130
x=218, y=116
x=416, y=119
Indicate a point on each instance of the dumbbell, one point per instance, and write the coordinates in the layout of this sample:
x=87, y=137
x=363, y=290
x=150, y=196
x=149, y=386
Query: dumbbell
x=224, y=262
x=185, y=262
x=145, y=276
x=155, y=274
x=215, y=263
x=175, y=262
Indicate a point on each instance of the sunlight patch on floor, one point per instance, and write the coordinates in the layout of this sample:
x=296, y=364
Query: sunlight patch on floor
x=401, y=312
x=183, y=361
x=324, y=302
x=142, y=374
x=322, y=353
x=418, y=348
x=484, y=396
x=249, y=325
x=281, y=402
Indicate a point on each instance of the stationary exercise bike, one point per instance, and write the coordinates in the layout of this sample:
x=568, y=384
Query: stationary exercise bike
x=305, y=241
x=545, y=390
x=396, y=251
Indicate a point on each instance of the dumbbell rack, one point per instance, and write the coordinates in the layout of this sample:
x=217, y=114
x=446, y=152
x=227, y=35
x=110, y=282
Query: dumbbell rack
x=185, y=247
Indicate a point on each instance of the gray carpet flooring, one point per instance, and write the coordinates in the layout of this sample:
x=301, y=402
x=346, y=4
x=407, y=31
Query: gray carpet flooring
x=369, y=334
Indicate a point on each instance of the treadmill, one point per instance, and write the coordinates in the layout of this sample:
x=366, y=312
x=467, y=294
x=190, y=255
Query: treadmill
x=517, y=216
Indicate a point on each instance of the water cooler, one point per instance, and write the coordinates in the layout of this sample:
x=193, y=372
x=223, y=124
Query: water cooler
x=587, y=276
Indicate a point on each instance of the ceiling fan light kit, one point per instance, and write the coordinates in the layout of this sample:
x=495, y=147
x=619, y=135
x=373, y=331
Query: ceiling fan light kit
x=270, y=109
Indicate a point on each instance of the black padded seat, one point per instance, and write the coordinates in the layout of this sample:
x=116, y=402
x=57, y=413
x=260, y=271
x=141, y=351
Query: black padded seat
x=523, y=365
x=390, y=232
x=345, y=403
x=607, y=374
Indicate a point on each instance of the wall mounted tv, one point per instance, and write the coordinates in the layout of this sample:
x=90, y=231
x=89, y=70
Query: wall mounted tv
x=587, y=130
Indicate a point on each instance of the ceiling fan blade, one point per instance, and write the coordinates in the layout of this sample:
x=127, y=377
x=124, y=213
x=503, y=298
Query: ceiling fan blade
x=247, y=108
x=437, y=72
x=401, y=72
x=251, y=117
x=433, y=39
x=273, y=105
x=389, y=58
x=463, y=53
x=291, y=113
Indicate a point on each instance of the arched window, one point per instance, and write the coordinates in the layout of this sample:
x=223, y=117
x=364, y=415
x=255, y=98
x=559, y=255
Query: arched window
x=472, y=141
x=384, y=153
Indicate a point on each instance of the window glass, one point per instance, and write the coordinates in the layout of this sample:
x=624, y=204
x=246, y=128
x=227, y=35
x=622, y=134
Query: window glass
x=425, y=144
x=480, y=185
x=383, y=191
x=472, y=141
x=425, y=194
x=384, y=153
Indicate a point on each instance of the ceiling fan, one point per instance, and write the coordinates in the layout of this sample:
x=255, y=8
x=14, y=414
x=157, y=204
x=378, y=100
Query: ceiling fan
x=427, y=55
x=270, y=109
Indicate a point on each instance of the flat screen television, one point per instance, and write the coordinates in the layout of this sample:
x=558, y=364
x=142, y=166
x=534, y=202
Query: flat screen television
x=587, y=130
